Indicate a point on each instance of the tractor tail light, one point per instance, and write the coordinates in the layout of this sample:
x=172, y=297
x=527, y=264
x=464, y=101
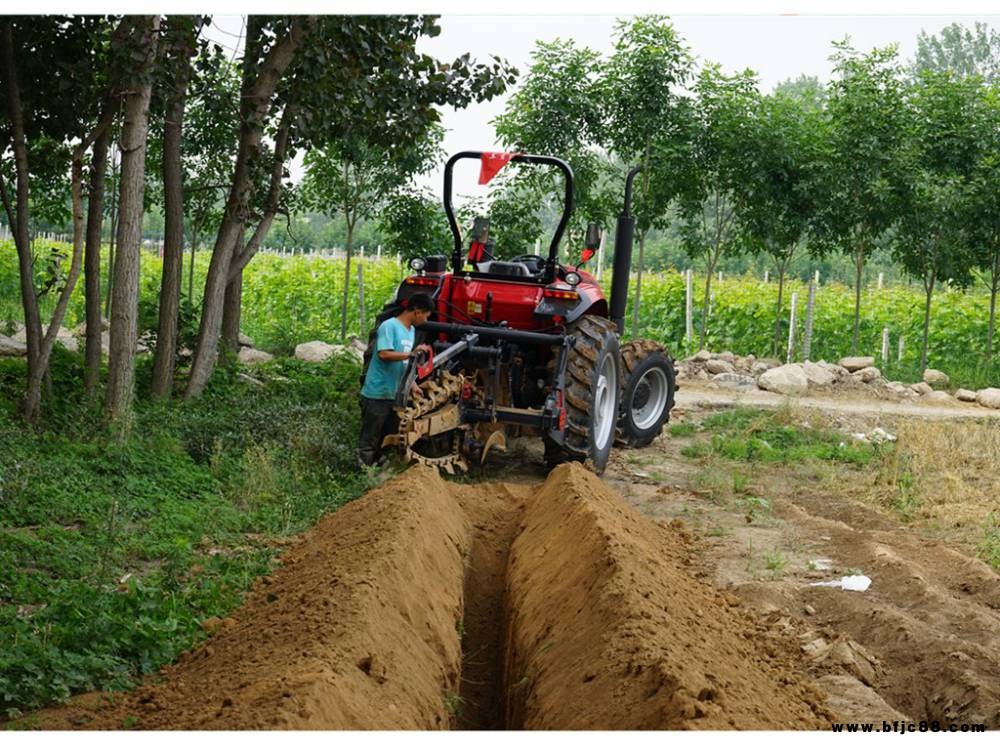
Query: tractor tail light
x=422, y=280
x=560, y=293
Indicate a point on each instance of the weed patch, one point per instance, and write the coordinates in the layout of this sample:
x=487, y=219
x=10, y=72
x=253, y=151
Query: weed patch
x=112, y=554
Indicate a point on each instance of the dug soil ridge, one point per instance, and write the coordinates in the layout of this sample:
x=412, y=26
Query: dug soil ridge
x=427, y=605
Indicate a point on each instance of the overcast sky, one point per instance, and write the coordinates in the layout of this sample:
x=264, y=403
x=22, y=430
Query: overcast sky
x=777, y=47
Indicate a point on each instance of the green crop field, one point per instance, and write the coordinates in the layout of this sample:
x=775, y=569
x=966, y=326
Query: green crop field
x=291, y=299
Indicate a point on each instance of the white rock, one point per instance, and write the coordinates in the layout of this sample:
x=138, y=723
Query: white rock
x=921, y=388
x=760, y=367
x=21, y=335
x=81, y=330
x=852, y=364
x=727, y=357
x=838, y=372
x=935, y=377
x=715, y=366
x=245, y=340
x=69, y=342
x=817, y=375
x=249, y=380
x=786, y=380
x=703, y=356
x=340, y=350
x=965, y=395
x=735, y=380
x=11, y=347
x=106, y=343
x=358, y=345
x=937, y=397
x=314, y=351
x=869, y=374
x=250, y=356
x=989, y=397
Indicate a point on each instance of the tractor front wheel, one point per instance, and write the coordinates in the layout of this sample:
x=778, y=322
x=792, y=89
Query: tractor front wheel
x=592, y=391
x=649, y=392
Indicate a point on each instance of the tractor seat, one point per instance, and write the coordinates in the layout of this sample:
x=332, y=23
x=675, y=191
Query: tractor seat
x=503, y=268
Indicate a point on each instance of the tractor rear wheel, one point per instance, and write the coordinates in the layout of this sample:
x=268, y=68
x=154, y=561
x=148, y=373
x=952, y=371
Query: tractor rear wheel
x=648, y=396
x=592, y=391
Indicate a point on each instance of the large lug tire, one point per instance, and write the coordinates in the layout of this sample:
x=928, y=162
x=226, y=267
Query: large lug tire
x=592, y=392
x=648, y=396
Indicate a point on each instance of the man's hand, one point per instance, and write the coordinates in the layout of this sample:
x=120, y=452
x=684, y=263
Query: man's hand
x=415, y=390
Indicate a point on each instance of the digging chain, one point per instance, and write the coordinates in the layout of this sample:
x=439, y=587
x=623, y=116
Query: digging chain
x=434, y=393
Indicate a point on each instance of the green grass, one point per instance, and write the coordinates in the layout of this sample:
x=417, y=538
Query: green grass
x=682, y=429
x=113, y=553
x=989, y=547
x=755, y=435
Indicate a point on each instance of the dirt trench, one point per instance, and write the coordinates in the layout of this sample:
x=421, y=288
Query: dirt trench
x=434, y=605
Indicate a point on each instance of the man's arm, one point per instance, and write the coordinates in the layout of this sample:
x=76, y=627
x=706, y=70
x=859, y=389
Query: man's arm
x=390, y=355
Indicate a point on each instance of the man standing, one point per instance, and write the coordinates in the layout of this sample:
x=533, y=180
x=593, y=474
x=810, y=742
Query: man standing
x=393, y=344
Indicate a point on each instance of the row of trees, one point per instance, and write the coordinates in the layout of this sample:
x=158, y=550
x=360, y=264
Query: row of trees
x=207, y=140
x=883, y=156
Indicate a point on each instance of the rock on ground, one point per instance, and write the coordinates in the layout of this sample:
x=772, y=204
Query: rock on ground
x=817, y=375
x=314, y=351
x=250, y=356
x=735, y=380
x=839, y=373
x=989, y=397
x=963, y=394
x=853, y=364
x=935, y=377
x=716, y=366
x=921, y=388
x=937, y=397
x=869, y=374
x=245, y=340
x=702, y=356
x=787, y=380
x=11, y=347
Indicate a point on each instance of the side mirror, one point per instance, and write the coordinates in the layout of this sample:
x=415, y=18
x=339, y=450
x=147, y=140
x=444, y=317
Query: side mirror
x=586, y=255
x=481, y=229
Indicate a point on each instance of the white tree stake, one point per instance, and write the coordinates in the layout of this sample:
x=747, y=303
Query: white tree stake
x=688, y=307
x=810, y=306
x=791, y=326
x=885, y=344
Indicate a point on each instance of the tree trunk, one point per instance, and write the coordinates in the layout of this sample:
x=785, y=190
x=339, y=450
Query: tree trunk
x=994, y=284
x=125, y=295
x=347, y=280
x=928, y=291
x=776, y=344
x=712, y=260
x=256, y=91
x=231, y=314
x=114, y=233
x=179, y=60
x=638, y=286
x=859, y=265
x=22, y=239
x=194, y=249
x=92, y=264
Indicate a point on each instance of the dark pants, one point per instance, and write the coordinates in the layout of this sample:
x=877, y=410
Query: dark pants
x=377, y=420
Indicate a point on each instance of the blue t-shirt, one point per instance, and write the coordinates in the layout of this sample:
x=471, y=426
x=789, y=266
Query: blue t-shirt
x=382, y=378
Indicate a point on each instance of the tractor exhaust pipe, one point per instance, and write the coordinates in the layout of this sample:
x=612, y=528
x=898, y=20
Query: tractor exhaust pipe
x=624, y=234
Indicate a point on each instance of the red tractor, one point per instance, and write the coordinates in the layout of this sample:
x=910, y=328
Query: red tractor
x=526, y=345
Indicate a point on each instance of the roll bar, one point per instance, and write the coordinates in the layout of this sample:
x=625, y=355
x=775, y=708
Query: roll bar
x=457, y=258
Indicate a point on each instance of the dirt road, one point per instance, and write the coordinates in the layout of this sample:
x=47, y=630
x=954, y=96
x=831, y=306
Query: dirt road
x=691, y=394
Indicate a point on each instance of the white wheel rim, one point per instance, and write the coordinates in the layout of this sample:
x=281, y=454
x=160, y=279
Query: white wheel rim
x=605, y=404
x=647, y=414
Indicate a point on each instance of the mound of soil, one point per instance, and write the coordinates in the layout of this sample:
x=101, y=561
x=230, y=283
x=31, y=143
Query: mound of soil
x=610, y=630
x=428, y=605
